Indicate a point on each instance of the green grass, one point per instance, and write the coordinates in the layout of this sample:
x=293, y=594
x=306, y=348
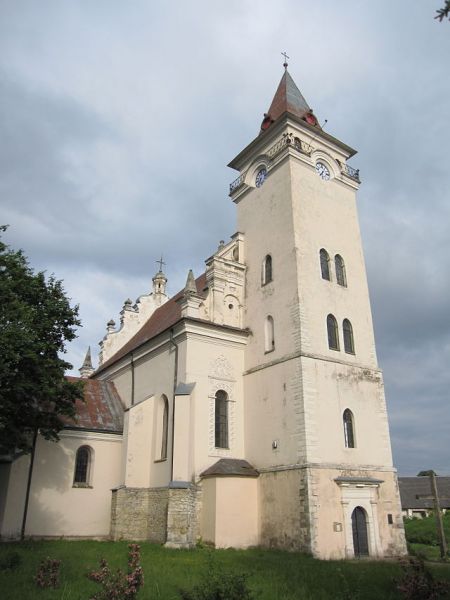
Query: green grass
x=273, y=575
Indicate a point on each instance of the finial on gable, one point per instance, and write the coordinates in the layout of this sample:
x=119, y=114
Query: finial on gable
x=190, y=287
x=86, y=368
x=128, y=304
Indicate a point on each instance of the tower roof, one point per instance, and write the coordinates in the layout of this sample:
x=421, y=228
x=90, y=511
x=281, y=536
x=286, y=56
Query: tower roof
x=288, y=98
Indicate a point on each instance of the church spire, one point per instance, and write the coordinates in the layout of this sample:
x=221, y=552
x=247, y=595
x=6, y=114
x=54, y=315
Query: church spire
x=86, y=368
x=288, y=98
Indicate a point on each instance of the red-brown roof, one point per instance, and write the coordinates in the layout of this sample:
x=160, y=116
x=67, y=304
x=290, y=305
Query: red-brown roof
x=102, y=409
x=164, y=317
x=288, y=98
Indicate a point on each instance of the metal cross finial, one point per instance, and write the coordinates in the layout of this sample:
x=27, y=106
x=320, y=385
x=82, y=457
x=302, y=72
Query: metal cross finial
x=160, y=262
x=285, y=64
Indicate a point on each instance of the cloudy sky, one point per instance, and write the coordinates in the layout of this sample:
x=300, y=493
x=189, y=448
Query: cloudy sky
x=118, y=119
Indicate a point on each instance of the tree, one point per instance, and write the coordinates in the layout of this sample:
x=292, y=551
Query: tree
x=444, y=12
x=36, y=320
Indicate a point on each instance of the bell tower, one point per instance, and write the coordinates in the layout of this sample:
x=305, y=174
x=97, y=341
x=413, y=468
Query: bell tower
x=315, y=423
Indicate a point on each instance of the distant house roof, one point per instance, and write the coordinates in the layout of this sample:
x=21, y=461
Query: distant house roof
x=102, y=409
x=164, y=317
x=230, y=467
x=411, y=487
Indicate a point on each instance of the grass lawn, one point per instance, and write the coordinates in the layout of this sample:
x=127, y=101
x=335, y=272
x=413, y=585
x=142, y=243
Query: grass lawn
x=422, y=536
x=273, y=575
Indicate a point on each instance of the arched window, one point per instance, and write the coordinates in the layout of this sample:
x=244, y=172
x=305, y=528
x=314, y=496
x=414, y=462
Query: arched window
x=340, y=270
x=269, y=334
x=221, y=419
x=83, y=461
x=333, y=335
x=349, y=344
x=164, y=426
x=267, y=270
x=325, y=264
x=349, y=431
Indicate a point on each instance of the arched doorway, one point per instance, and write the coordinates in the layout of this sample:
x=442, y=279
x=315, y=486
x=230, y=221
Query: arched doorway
x=359, y=528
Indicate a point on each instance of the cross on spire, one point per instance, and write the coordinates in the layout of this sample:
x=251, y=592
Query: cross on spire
x=160, y=262
x=285, y=64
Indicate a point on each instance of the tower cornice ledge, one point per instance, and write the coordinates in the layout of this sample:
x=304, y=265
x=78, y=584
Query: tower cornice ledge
x=301, y=354
x=271, y=134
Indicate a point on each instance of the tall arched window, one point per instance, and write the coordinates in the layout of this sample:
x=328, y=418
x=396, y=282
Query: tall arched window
x=267, y=270
x=349, y=430
x=269, y=334
x=221, y=419
x=340, y=270
x=83, y=462
x=333, y=334
x=325, y=264
x=349, y=344
x=165, y=426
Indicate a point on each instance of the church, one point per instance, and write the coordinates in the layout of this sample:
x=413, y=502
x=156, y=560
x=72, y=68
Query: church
x=248, y=409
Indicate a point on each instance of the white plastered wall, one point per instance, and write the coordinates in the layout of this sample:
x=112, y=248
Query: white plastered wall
x=56, y=507
x=295, y=396
x=153, y=377
x=214, y=361
x=230, y=512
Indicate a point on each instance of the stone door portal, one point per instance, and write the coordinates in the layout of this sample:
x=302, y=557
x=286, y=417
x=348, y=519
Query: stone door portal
x=359, y=528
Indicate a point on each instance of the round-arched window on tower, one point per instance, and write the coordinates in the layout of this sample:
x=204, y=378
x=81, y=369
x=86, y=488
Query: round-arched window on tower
x=325, y=264
x=349, y=428
x=340, y=270
x=333, y=333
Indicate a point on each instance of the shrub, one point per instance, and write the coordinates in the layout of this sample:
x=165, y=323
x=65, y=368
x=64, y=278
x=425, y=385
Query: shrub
x=10, y=562
x=219, y=585
x=417, y=582
x=47, y=575
x=119, y=585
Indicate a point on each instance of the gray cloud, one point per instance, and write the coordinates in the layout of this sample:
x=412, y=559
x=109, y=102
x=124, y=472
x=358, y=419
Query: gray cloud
x=117, y=122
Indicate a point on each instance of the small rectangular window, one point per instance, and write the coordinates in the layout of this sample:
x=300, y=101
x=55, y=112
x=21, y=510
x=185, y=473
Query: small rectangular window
x=390, y=519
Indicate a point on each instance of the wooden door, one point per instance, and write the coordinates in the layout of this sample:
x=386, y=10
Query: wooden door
x=359, y=527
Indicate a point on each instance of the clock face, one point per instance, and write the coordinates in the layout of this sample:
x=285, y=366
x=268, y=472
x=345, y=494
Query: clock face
x=261, y=176
x=322, y=171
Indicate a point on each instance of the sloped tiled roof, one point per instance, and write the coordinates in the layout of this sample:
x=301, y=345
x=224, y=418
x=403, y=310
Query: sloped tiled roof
x=411, y=487
x=102, y=409
x=230, y=467
x=164, y=317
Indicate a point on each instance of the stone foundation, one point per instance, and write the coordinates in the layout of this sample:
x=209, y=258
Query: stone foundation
x=139, y=514
x=182, y=516
x=284, y=510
